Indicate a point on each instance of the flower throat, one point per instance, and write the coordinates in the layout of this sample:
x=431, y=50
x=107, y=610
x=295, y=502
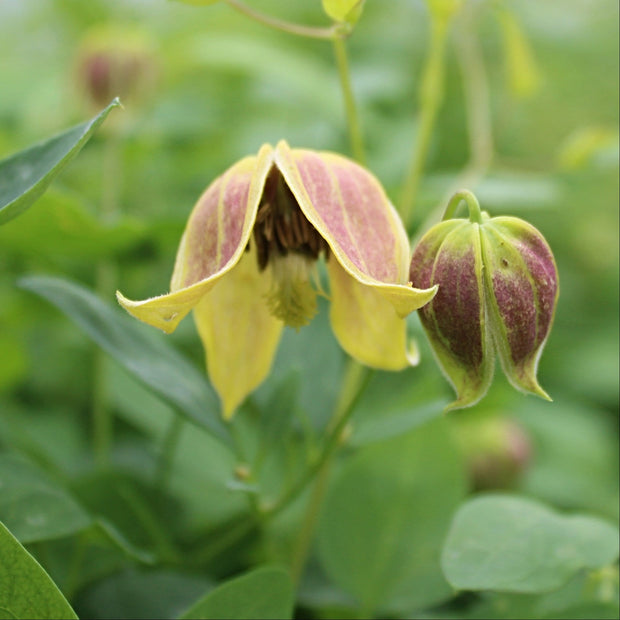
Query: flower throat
x=287, y=242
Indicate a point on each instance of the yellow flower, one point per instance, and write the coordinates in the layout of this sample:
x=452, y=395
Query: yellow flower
x=246, y=266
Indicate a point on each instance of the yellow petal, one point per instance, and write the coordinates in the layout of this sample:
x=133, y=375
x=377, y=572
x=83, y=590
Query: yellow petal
x=366, y=325
x=348, y=207
x=214, y=240
x=239, y=334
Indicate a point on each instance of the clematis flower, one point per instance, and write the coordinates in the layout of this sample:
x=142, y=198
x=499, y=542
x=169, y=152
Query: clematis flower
x=246, y=266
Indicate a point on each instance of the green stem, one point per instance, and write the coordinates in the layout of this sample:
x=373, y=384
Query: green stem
x=355, y=132
x=284, y=26
x=477, y=110
x=475, y=215
x=105, y=280
x=340, y=420
x=355, y=383
x=431, y=95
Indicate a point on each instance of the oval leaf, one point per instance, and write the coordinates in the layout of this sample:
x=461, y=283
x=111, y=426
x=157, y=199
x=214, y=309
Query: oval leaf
x=384, y=520
x=27, y=174
x=155, y=363
x=502, y=542
x=265, y=592
x=26, y=590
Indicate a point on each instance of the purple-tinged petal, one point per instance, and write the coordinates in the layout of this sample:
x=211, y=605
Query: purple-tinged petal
x=349, y=209
x=366, y=325
x=214, y=240
x=523, y=289
x=455, y=320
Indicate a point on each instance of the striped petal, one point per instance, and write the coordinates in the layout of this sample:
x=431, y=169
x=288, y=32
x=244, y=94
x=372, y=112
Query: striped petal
x=365, y=323
x=238, y=332
x=350, y=210
x=214, y=240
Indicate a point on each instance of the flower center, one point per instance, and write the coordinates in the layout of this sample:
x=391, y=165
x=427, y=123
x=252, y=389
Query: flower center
x=287, y=242
x=292, y=298
x=281, y=227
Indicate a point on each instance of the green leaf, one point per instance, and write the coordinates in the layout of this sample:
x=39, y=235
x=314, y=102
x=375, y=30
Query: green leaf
x=265, y=592
x=344, y=10
x=26, y=590
x=508, y=543
x=33, y=506
x=385, y=519
x=62, y=227
x=154, y=362
x=27, y=174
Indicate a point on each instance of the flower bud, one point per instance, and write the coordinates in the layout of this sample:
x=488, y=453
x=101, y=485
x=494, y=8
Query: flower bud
x=496, y=450
x=498, y=287
x=115, y=62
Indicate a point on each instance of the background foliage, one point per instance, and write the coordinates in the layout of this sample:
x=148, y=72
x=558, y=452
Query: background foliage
x=133, y=533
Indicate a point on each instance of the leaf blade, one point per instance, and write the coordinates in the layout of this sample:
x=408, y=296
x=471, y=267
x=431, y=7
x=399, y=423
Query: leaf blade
x=513, y=544
x=26, y=590
x=25, y=175
x=155, y=363
x=266, y=592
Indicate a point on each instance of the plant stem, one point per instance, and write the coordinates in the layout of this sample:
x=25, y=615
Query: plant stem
x=355, y=132
x=355, y=383
x=475, y=215
x=105, y=279
x=340, y=420
x=284, y=26
x=477, y=109
x=431, y=95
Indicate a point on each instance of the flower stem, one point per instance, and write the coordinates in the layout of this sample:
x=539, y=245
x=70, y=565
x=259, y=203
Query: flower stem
x=355, y=383
x=477, y=110
x=475, y=215
x=431, y=95
x=355, y=132
x=284, y=26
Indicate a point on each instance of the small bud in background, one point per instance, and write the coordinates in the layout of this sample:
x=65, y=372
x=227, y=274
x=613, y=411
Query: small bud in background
x=498, y=288
x=496, y=450
x=116, y=61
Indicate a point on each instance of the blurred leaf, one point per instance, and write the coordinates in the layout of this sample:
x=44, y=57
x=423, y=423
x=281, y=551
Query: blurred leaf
x=156, y=364
x=523, y=73
x=13, y=362
x=130, y=513
x=265, y=592
x=34, y=507
x=199, y=462
x=344, y=10
x=26, y=590
x=575, y=456
x=584, y=145
x=27, y=174
x=501, y=542
x=61, y=226
x=155, y=593
x=386, y=516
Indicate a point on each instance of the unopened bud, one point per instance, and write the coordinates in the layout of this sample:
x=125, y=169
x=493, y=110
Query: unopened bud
x=115, y=62
x=498, y=288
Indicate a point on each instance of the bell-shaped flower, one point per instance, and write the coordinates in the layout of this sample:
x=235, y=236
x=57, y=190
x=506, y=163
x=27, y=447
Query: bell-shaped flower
x=246, y=266
x=498, y=288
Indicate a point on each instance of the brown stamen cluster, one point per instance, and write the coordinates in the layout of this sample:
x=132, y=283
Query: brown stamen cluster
x=280, y=225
